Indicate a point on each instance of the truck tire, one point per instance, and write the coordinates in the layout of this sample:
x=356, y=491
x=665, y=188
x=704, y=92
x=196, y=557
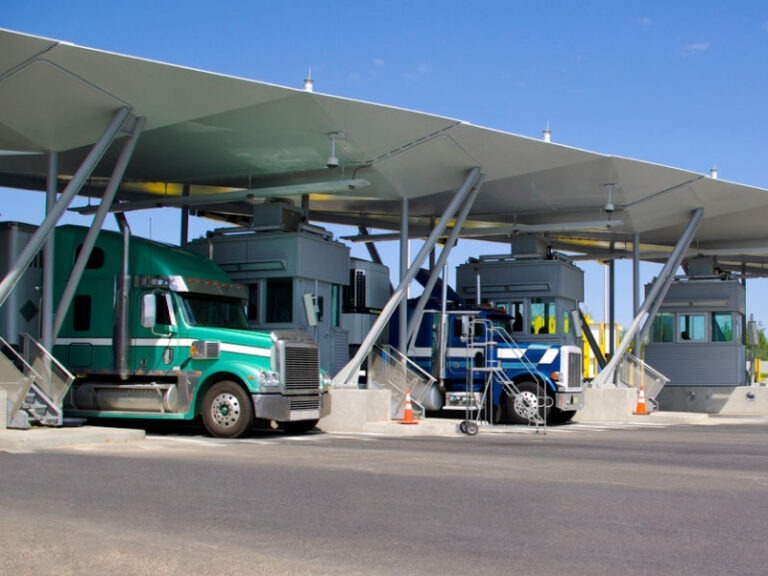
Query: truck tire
x=557, y=416
x=227, y=410
x=520, y=409
x=297, y=427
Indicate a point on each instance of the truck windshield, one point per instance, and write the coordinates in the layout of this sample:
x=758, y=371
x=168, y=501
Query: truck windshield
x=216, y=312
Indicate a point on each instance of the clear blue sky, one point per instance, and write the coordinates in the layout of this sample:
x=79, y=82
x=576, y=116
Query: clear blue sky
x=677, y=83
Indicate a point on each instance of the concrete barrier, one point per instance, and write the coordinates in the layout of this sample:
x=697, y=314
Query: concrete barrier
x=723, y=400
x=607, y=405
x=353, y=409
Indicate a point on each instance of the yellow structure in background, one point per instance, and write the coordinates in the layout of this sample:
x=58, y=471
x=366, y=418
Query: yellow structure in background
x=601, y=334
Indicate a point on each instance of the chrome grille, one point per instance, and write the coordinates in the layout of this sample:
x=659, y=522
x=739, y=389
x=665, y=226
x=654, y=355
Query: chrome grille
x=304, y=403
x=574, y=370
x=299, y=366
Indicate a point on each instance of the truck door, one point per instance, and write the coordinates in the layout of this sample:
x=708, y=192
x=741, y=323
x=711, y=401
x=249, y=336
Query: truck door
x=156, y=345
x=437, y=349
x=459, y=336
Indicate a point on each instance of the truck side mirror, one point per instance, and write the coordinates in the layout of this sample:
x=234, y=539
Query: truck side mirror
x=148, y=310
x=466, y=328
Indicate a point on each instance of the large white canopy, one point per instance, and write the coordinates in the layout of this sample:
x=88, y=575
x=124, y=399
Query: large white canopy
x=217, y=134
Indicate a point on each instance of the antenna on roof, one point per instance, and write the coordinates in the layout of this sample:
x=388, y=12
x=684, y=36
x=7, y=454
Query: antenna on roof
x=309, y=84
x=547, y=133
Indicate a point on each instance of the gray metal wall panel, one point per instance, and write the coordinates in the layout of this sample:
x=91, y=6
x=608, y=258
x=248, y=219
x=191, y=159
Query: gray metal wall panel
x=300, y=254
x=706, y=364
x=704, y=296
x=521, y=278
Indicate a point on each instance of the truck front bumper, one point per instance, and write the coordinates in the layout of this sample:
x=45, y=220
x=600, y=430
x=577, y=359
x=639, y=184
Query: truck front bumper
x=291, y=408
x=569, y=401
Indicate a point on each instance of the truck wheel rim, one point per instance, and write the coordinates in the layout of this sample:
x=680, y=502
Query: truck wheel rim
x=225, y=410
x=527, y=405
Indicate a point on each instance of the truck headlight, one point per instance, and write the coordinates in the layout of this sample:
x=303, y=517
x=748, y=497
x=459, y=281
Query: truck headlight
x=268, y=378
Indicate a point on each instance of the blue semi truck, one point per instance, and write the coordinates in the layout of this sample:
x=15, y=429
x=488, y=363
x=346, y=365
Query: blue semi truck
x=505, y=342
x=479, y=367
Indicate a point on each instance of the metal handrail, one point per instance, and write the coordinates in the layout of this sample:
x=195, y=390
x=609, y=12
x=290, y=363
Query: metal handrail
x=411, y=376
x=12, y=360
x=633, y=372
x=497, y=369
x=53, y=378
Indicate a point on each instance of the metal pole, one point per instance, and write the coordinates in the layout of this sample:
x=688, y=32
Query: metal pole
x=121, y=334
x=46, y=330
x=441, y=263
x=345, y=374
x=653, y=299
x=612, y=305
x=98, y=220
x=402, y=338
x=185, y=219
x=636, y=287
x=443, y=323
x=40, y=236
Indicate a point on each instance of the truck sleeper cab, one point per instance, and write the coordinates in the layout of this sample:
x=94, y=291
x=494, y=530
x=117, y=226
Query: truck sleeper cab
x=171, y=342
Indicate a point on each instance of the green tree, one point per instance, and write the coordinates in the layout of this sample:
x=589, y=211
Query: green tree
x=761, y=351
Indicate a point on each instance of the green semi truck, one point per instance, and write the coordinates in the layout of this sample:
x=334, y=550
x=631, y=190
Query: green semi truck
x=156, y=332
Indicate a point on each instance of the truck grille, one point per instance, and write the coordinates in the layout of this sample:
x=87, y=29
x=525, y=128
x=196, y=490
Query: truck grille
x=573, y=379
x=304, y=403
x=299, y=364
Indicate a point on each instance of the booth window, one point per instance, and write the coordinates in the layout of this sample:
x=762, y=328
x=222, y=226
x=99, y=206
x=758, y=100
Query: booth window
x=542, y=316
x=253, y=303
x=280, y=300
x=722, y=327
x=515, y=309
x=663, y=328
x=692, y=327
x=336, y=305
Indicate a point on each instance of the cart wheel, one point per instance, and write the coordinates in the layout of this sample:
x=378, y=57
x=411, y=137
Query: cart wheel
x=470, y=428
x=463, y=426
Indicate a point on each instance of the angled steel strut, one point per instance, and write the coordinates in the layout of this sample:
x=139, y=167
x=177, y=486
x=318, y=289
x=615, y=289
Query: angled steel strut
x=347, y=376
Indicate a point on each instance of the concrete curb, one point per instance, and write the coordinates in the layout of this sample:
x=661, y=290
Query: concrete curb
x=41, y=438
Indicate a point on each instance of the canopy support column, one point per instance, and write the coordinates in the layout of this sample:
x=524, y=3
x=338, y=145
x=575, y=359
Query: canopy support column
x=651, y=304
x=611, y=304
x=41, y=234
x=98, y=220
x=442, y=260
x=636, y=287
x=185, y=219
x=404, y=256
x=49, y=254
x=347, y=375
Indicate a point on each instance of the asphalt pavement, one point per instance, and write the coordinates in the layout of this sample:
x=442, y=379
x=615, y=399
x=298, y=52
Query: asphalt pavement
x=585, y=499
x=39, y=438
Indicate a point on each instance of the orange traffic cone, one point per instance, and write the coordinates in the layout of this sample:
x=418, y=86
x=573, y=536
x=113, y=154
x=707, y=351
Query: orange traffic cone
x=640, y=409
x=408, y=411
